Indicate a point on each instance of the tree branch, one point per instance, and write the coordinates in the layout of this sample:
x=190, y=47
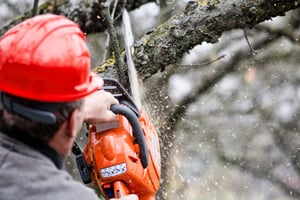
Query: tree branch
x=257, y=171
x=35, y=8
x=167, y=43
x=85, y=13
x=115, y=44
x=210, y=80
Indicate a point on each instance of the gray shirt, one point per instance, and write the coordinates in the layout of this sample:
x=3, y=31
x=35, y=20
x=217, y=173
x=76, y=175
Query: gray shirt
x=28, y=174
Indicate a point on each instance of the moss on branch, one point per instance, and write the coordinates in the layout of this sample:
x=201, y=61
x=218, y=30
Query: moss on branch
x=200, y=21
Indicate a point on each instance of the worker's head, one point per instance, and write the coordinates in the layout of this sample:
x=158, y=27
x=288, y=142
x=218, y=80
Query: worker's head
x=44, y=74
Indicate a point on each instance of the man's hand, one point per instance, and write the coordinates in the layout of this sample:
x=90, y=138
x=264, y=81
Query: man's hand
x=128, y=197
x=96, y=107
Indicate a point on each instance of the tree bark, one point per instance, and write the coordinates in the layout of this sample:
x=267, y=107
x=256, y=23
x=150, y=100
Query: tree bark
x=199, y=23
x=86, y=13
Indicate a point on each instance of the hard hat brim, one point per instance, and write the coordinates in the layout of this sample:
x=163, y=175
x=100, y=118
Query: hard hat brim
x=95, y=84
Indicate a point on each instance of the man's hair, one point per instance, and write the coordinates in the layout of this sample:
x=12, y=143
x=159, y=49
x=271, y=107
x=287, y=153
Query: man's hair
x=18, y=124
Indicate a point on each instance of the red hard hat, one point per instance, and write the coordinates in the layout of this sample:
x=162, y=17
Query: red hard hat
x=46, y=58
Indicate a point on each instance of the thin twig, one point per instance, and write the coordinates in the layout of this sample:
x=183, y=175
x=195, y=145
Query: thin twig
x=247, y=40
x=106, y=48
x=204, y=63
x=54, y=6
x=115, y=45
x=114, y=9
x=107, y=43
x=35, y=8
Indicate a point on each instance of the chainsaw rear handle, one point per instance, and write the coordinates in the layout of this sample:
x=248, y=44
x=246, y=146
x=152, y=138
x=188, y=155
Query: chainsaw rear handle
x=137, y=130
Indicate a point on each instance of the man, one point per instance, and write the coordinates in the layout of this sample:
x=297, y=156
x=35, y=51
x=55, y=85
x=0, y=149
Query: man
x=46, y=92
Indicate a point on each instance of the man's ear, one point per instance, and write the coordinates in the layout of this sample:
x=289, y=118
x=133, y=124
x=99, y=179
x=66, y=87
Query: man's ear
x=72, y=124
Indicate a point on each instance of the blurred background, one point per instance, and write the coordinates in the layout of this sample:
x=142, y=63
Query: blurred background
x=239, y=138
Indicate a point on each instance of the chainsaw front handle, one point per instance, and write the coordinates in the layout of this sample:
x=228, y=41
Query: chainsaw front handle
x=137, y=130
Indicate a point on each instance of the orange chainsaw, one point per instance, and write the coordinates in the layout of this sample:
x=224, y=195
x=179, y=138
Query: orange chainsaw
x=122, y=157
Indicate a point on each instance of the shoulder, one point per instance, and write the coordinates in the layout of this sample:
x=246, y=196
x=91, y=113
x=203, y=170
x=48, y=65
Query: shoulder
x=29, y=175
x=41, y=181
x=68, y=190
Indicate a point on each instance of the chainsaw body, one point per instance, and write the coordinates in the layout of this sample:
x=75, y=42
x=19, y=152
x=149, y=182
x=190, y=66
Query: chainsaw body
x=123, y=157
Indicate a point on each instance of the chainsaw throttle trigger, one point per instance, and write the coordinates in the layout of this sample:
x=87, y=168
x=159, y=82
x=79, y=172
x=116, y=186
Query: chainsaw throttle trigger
x=137, y=130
